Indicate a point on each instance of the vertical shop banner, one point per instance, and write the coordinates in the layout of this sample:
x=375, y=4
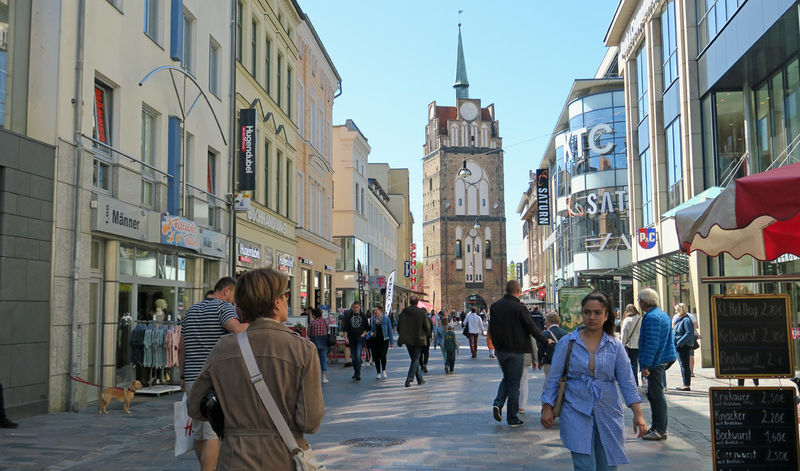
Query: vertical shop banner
x=361, y=285
x=247, y=150
x=413, y=266
x=389, y=294
x=543, y=197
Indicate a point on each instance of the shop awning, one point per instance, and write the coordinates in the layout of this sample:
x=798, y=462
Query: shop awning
x=667, y=265
x=705, y=195
x=757, y=215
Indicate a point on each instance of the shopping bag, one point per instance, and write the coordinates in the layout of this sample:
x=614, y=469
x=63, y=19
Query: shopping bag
x=184, y=428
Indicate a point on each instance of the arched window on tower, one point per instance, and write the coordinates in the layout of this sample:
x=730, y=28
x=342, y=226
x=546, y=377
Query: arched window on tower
x=483, y=202
x=458, y=249
x=477, y=247
x=430, y=184
x=487, y=248
x=469, y=248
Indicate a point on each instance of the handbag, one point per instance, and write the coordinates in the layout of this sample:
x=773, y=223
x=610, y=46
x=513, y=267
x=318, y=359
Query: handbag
x=212, y=411
x=304, y=460
x=562, y=383
x=184, y=430
x=331, y=340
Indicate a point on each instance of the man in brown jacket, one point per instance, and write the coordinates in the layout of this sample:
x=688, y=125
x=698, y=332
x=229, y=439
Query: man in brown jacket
x=414, y=330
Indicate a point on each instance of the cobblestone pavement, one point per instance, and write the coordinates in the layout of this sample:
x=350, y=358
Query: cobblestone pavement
x=446, y=424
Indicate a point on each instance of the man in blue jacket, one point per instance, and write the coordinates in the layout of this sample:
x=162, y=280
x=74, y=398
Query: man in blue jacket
x=656, y=353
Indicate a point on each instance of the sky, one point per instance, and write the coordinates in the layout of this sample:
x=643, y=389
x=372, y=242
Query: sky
x=397, y=57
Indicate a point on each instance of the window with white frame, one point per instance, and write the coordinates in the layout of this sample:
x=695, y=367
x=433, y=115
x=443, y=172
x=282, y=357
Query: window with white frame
x=301, y=105
x=151, y=18
x=211, y=186
x=188, y=49
x=267, y=69
x=148, y=155
x=101, y=131
x=213, y=67
x=239, y=32
x=301, y=200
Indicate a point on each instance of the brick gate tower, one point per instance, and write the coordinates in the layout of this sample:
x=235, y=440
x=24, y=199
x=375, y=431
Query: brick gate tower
x=464, y=224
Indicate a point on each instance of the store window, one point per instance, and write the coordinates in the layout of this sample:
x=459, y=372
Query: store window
x=317, y=289
x=102, y=167
x=669, y=44
x=674, y=164
x=641, y=76
x=723, y=117
x=305, y=278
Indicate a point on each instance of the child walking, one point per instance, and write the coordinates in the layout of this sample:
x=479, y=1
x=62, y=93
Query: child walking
x=450, y=350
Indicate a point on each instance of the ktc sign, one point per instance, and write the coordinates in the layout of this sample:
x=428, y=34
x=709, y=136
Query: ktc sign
x=593, y=135
x=647, y=237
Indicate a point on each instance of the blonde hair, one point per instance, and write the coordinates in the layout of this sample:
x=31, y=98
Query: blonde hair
x=257, y=291
x=630, y=310
x=681, y=310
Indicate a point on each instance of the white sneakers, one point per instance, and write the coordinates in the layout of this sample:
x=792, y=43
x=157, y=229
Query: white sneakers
x=324, y=380
x=384, y=374
x=379, y=376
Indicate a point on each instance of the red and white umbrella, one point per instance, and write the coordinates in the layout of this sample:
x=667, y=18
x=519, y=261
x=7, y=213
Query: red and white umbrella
x=757, y=215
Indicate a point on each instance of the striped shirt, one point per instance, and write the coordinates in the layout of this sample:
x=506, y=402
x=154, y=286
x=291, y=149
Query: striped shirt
x=202, y=326
x=593, y=398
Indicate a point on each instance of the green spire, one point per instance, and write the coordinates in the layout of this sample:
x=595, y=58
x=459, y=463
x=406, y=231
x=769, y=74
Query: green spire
x=462, y=84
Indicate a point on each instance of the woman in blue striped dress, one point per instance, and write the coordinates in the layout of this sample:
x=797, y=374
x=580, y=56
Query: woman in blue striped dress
x=592, y=419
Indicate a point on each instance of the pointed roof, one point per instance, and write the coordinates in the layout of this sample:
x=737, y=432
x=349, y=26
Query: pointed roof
x=462, y=84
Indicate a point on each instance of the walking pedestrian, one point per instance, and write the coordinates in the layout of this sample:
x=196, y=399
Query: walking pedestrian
x=473, y=327
x=5, y=422
x=201, y=327
x=440, y=324
x=381, y=337
x=591, y=421
x=631, y=326
x=450, y=348
x=529, y=362
x=425, y=355
x=697, y=337
x=356, y=326
x=554, y=332
x=656, y=354
x=318, y=333
x=287, y=364
x=511, y=329
x=413, y=331
x=683, y=331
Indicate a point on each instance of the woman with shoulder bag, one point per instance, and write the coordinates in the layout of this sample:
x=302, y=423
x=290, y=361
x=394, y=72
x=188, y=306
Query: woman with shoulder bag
x=593, y=363
x=288, y=371
x=631, y=326
x=683, y=327
x=318, y=333
x=381, y=338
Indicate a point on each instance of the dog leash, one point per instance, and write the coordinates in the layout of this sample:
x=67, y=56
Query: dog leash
x=81, y=380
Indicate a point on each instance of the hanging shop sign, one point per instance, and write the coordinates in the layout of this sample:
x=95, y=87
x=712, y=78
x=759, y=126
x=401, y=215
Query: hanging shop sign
x=248, y=253
x=115, y=217
x=180, y=232
x=387, y=305
x=305, y=261
x=377, y=282
x=597, y=203
x=412, y=279
x=543, y=197
x=407, y=268
x=285, y=261
x=213, y=243
x=263, y=218
x=241, y=201
x=247, y=149
x=647, y=237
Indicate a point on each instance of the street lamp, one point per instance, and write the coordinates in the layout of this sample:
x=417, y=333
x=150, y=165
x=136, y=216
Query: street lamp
x=477, y=225
x=464, y=172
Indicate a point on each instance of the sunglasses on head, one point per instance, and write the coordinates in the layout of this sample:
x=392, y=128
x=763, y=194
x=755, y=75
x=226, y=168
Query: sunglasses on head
x=287, y=292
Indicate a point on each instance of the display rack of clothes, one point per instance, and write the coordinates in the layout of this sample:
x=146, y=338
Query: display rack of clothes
x=154, y=350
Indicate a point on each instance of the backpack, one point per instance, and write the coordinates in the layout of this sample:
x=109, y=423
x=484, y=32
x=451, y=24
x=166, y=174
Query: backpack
x=450, y=343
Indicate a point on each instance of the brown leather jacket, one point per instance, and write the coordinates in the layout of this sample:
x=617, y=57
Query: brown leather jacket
x=291, y=372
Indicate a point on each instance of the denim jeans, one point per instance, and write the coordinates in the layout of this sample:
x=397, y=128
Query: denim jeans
x=683, y=359
x=356, y=347
x=594, y=462
x=450, y=359
x=633, y=356
x=321, y=342
x=414, y=369
x=655, y=394
x=511, y=364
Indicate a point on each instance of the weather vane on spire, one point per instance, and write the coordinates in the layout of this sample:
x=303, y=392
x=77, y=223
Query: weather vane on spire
x=459, y=18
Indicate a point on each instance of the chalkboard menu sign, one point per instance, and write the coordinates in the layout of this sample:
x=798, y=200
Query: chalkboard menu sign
x=752, y=336
x=754, y=428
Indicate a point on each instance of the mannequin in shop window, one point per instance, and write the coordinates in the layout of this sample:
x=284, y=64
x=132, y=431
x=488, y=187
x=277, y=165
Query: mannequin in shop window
x=161, y=309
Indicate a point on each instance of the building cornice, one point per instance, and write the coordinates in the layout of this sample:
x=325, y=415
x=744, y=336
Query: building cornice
x=316, y=239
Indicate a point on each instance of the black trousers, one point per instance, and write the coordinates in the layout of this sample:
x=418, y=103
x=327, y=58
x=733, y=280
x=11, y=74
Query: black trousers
x=379, y=350
x=425, y=355
x=2, y=404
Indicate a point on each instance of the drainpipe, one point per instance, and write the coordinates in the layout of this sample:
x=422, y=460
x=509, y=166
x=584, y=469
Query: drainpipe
x=230, y=197
x=76, y=335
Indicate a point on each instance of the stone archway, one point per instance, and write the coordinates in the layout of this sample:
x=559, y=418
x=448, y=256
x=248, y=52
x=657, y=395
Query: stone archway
x=476, y=301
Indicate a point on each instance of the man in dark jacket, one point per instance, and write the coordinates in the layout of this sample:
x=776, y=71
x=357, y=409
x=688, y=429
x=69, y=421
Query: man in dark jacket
x=413, y=331
x=356, y=326
x=511, y=328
